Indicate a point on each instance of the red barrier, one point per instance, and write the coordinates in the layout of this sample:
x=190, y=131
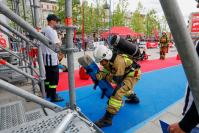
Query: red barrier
x=3, y=42
x=2, y=61
x=82, y=74
x=33, y=52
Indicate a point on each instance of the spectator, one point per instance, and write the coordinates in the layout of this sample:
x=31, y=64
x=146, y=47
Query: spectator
x=79, y=45
x=51, y=59
x=191, y=118
x=189, y=122
x=62, y=63
x=95, y=38
x=85, y=43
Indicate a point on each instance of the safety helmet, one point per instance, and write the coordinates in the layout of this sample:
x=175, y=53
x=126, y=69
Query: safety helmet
x=102, y=52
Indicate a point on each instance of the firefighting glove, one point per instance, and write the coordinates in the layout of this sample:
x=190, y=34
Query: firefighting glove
x=103, y=93
x=89, y=70
x=61, y=66
x=95, y=84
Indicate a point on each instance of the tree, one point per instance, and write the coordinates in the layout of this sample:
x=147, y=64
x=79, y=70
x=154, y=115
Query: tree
x=145, y=23
x=93, y=16
x=118, y=17
x=164, y=25
x=75, y=10
x=20, y=11
x=137, y=20
x=151, y=22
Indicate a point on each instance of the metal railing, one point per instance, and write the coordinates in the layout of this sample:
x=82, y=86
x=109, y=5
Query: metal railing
x=184, y=45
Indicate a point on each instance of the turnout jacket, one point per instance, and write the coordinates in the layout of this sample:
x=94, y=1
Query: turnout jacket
x=118, y=68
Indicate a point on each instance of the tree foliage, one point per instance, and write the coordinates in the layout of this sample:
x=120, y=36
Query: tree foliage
x=137, y=20
x=151, y=22
x=20, y=11
x=93, y=15
x=119, y=14
x=96, y=17
x=146, y=23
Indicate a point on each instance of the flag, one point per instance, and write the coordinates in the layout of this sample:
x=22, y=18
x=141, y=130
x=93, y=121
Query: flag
x=156, y=34
x=164, y=127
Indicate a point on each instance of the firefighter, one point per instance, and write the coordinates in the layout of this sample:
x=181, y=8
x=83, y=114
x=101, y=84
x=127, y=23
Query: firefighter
x=163, y=45
x=119, y=69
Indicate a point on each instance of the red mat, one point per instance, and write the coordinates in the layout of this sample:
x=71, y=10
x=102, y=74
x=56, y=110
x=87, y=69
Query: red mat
x=146, y=66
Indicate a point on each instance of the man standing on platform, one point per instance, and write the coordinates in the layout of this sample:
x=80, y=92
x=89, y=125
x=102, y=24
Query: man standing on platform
x=51, y=59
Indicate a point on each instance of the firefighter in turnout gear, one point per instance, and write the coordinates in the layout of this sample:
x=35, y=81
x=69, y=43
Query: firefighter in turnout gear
x=119, y=69
x=163, y=45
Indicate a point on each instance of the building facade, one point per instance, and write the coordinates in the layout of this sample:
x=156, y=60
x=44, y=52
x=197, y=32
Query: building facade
x=47, y=7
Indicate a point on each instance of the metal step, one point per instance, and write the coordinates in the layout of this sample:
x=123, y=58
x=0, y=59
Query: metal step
x=11, y=115
x=34, y=115
x=49, y=123
x=12, y=76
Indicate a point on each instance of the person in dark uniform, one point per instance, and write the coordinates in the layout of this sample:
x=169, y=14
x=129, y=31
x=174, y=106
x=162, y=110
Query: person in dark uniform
x=51, y=59
x=190, y=121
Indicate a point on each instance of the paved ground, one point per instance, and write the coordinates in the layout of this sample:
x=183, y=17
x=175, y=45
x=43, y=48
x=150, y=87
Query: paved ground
x=170, y=115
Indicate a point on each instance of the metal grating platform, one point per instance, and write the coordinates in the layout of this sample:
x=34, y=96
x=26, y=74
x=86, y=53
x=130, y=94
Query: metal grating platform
x=11, y=76
x=34, y=115
x=48, y=123
x=11, y=115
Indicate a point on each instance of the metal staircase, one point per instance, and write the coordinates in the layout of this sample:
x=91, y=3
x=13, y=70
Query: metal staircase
x=14, y=119
x=11, y=115
x=34, y=115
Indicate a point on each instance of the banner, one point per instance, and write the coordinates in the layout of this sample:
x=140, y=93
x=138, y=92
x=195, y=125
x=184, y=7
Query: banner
x=195, y=23
x=4, y=40
x=164, y=126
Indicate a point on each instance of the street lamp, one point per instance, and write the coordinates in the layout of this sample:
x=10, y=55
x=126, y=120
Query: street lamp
x=83, y=4
x=198, y=3
x=108, y=6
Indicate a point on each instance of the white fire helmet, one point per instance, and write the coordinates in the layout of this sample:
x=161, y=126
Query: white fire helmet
x=102, y=52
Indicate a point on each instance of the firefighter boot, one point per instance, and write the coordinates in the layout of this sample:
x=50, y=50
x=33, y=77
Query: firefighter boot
x=47, y=91
x=105, y=121
x=132, y=99
x=55, y=97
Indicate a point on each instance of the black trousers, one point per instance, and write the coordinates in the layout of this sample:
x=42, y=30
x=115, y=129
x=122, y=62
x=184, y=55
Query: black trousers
x=52, y=79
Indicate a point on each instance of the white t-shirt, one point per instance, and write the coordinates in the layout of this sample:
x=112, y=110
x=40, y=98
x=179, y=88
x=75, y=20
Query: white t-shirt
x=50, y=57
